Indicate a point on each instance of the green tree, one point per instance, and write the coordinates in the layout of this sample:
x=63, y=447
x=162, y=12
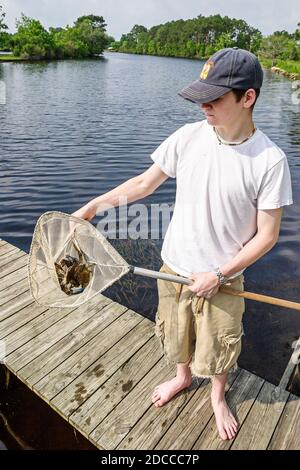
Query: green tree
x=224, y=40
x=152, y=47
x=255, y=42
x=282, y=33
x=31, y=40
x=197, y=37
x=4, y=36
x=68, y=45
x=278, y=46
x=87, y=38
x=191, y=48
x=97, y=22
x=92, y=33
x=297, y=33
x=295, y=53
x=136, y=31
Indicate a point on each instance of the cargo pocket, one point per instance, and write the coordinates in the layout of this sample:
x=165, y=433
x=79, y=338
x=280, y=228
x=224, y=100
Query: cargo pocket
x=230, y=349
x=166, y=293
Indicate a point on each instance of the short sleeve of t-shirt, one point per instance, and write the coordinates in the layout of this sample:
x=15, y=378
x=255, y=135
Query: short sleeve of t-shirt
x=276, y=189
x=167, y=154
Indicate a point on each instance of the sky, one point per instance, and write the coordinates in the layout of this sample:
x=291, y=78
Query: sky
x=121, y=15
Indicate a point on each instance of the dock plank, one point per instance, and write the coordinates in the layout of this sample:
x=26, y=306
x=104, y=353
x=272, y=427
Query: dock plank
x=262, y=419
x=13, y=291
x=156, y=421
x=12, y=321
x=82, y=358
x=102, y=368
x=52, y=357
x=4, y=260
x=53, y=325
x=12, y=278
x=110, y=393
x=287, y=432
x=14, y=305
x=9, y=256
x=7, y=248
x=14, y=264
x=114, y=428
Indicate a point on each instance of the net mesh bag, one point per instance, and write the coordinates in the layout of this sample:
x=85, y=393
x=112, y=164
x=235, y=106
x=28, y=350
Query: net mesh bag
x=70, y=261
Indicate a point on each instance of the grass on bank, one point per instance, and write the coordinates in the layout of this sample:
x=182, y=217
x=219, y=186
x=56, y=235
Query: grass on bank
x=290, y=66
x=9, y=57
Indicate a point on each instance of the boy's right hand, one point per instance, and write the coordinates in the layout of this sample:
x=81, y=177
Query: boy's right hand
x=86, y=212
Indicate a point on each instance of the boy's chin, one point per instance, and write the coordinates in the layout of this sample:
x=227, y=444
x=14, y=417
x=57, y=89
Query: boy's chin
x=211, y=120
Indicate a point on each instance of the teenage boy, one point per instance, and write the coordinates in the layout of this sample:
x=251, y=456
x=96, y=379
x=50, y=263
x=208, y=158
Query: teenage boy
x=232, y=182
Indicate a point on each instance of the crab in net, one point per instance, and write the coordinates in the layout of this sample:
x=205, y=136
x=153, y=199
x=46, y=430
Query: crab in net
x=74, y=274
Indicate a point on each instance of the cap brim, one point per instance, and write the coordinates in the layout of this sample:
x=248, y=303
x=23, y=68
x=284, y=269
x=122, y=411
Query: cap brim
x=200, y=92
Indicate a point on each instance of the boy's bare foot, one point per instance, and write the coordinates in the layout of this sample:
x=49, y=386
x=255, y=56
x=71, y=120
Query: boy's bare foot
x=167, y=390
x=226, y=422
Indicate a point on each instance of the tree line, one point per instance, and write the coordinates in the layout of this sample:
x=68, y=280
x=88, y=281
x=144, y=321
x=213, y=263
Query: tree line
x=202, y=36
x=86, y=38
x=193, y=38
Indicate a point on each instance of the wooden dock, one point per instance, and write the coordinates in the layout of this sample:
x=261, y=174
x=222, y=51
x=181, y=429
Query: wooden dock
x=96, y=366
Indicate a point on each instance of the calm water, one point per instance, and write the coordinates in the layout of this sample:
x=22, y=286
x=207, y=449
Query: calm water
x=72, y=130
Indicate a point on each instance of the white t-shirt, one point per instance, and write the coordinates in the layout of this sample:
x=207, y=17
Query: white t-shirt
x=219, y=190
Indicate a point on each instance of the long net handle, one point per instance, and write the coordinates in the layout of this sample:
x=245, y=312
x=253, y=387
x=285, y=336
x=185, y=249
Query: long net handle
x=225, y=290
x=159, y=275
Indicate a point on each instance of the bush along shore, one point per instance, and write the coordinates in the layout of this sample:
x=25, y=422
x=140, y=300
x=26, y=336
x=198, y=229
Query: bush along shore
x=86, y=38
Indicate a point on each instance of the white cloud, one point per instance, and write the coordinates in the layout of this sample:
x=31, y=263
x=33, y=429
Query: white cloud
x=121, y=16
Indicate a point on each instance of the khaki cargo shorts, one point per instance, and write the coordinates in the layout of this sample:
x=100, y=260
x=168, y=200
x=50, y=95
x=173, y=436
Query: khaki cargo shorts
x=206, y=331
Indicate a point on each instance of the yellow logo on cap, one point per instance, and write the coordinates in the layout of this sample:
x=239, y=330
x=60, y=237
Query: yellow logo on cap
x=207, y=67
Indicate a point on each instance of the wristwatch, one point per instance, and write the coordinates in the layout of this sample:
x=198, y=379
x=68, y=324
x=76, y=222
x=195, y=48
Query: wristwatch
x=222, y=279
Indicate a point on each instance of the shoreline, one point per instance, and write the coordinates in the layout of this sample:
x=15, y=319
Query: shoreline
x=290, y=75
x=274, y=69
x=8, y=58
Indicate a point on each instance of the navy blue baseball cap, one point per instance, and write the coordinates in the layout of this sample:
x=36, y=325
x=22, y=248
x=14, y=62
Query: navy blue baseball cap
x=226, y=69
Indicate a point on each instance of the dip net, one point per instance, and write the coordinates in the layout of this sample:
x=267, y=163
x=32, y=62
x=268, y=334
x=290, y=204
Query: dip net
x=70, y=261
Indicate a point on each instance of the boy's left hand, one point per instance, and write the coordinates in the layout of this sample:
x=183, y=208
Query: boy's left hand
x=205, y=284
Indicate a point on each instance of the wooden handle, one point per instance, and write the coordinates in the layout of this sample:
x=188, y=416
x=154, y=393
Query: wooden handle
x=260, y=298
x=225, y=290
